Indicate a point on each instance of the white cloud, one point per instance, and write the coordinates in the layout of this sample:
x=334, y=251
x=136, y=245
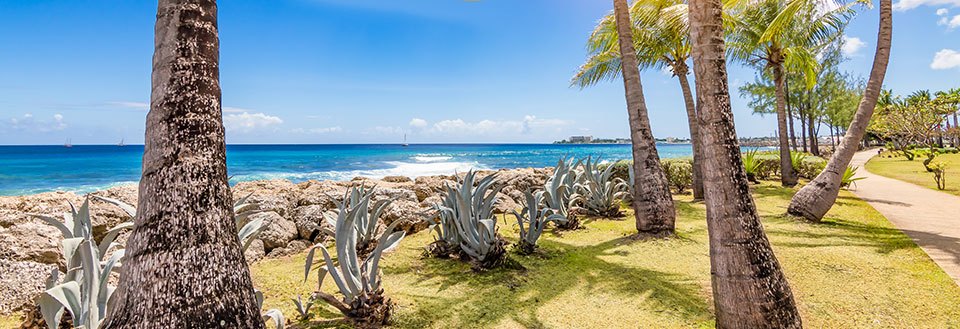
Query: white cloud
x=952, y=23
x=386, y=130
x=418, y=123
x=528, y=124
x=851, y=45
x=903, y=5
x=942, y=11
x=131, y=105
x=228, y=109
x=29, y=123
x=946, y=59
x=245, y=121
x=322, y=130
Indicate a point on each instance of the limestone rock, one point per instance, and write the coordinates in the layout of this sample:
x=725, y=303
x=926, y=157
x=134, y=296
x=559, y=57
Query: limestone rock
x=20, y=283
x=254, y=252
x=277, y=231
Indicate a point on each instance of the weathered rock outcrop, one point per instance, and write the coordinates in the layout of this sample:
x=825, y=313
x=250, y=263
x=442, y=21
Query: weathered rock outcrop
x=292, y=213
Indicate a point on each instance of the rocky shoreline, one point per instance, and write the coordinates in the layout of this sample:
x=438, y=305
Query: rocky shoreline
x=29, y=248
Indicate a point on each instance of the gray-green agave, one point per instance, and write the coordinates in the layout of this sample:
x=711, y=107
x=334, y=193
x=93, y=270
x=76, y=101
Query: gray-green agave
x=559, y=188
x=533, y=220
x=598, y=192
x=358, y=280
x=83, y=290
x=356, y=202
x=467, y=219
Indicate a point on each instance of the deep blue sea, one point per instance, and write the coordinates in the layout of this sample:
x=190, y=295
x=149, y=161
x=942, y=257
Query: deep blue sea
x=86, y=168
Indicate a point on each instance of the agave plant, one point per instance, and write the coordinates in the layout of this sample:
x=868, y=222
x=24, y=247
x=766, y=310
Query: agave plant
x=532, y=220
x=558, y=189
x=466, y=218
x=598, y=192
x=303, y=307
x=356, y=203
x=83, y=290
x=358, y=280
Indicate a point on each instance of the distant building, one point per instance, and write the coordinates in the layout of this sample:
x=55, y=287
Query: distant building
x=581, y=139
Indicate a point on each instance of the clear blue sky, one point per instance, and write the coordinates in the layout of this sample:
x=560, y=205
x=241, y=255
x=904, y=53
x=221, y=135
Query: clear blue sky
x=369, y=71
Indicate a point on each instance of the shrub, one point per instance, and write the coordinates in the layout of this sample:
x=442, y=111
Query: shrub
x=679, y=173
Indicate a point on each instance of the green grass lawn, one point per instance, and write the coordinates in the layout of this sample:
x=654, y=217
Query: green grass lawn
x=913, y=171
x=854, y=270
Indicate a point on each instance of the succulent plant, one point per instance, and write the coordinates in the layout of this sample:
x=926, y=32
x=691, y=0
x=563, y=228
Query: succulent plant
x=466, y=218
x=847, y=179
x=558, y=189
x=83, y=290
x=532, y=220
x=358, y=280
x=356, y=203
x=598, y=192
x=303, y=307
x=273, y=315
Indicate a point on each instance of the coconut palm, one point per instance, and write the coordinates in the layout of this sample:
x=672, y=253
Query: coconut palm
x=652, y=203
x=749, y=288
x=184, y=267
x=780, y=36
x=815, y=199
x=660, y=39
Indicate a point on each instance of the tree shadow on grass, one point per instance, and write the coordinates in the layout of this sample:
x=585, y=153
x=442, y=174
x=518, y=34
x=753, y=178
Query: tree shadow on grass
x=840, y=232
x=485, y=299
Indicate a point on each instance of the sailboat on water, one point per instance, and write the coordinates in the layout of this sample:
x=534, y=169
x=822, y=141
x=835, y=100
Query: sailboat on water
x=67, y=144
x=121, y=144
x=404, y=141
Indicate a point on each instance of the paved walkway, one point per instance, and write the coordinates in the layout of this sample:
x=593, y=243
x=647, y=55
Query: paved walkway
x=931, y=218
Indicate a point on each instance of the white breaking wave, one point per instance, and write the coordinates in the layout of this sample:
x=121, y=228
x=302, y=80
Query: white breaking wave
x=424, y=158
x=398, y=168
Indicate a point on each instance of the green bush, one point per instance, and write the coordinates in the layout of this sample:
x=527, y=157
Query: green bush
x=811, y=166
x=679, y=171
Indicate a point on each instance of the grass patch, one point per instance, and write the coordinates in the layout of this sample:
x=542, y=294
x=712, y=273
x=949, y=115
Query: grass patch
x=10, y=321
x=853, y=270
x=913, y=171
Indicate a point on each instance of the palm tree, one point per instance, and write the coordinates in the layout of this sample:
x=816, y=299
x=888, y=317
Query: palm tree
x=815, y=199
x=749, y=288
x=183, y=266
x=660, y=40
x=652, y=202
x=781, y=36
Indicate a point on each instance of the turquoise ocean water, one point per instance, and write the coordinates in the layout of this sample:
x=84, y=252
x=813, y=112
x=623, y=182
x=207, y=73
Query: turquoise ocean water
x=86, y=168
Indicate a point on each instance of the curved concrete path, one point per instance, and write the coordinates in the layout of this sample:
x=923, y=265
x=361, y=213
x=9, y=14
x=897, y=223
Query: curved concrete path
x=931, y=218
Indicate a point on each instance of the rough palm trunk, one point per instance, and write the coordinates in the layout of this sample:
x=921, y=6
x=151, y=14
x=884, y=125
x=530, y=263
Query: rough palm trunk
x=811, y=127
x=803, y=126
x=787, y=177
x=749, y=288
x=793, y=134
x=817, y=197
x=183, y=266
x=652, y=202
x=681, y=71
x=956, y=133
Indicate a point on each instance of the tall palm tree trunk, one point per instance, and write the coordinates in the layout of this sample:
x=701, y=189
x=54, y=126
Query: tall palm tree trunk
x=814, y=142
x=652, y=202
x=793, y=134
x=787, y=177
x=183, y=266
x=681, y=71
x=749, y=288
x=816, y=198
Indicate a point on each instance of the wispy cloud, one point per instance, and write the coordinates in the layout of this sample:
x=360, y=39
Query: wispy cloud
x=28, y=123
x=245, y=122
x=131, y=105
x=418, y=123
x=851, y=45
x=487, y=127
x=903, y=5
x=946, y=59
x=322, y=130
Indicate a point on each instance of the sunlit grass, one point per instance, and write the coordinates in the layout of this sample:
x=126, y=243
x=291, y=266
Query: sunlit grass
x=914, y=172
x=853, y=270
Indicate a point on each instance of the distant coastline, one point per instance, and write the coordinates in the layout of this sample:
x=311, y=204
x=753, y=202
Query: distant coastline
x=587, y=140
